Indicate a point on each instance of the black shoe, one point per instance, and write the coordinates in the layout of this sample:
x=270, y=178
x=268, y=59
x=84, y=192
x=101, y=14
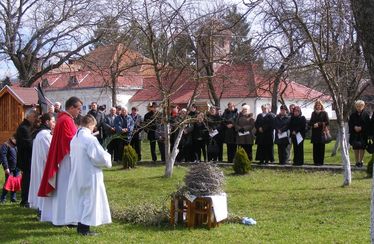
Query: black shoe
x=13, y=200
x=359, y=164
x=71, y=226
x=24, y=205
x=2, y=201
x=88, y=233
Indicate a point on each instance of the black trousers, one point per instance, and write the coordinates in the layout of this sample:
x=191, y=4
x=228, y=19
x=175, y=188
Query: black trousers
x=25, y=185
x=318, y=153
x=136, y=144
x=298, y=152
x=282, y=153
x=161, y=147
x=248, y=149
x=152, y=145
x=117, y=145
x=231, y=150
x=199, y=147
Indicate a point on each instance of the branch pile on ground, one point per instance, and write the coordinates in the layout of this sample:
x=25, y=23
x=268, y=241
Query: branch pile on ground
x=204, y=179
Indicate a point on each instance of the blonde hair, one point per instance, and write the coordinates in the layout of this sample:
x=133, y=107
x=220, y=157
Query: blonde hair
x=360, y=103
x=319, y=102
x=88, y=120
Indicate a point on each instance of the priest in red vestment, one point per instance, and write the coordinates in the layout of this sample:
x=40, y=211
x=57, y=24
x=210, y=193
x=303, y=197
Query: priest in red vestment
x=57, y=168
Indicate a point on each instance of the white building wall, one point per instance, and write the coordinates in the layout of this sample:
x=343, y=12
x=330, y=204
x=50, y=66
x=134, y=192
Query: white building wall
x=88, y=95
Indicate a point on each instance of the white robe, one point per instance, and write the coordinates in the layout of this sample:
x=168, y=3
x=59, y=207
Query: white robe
x=59, y=200
x=88, y=202
x=40, y=149
x=54, y=207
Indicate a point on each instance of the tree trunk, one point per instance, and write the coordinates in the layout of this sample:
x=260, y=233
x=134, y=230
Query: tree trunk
x=170, y=159
x=344, y=149
x=372, y=211
x=363, y=11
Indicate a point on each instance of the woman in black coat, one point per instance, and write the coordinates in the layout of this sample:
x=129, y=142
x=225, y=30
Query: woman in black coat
x=229, y=118
x=265, y=135
x=281, y=124
x=199, y=138
x=359, y=123
x=318, y=122
x=297, y=129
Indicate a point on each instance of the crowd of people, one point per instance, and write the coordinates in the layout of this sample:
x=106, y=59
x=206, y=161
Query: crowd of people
x=60, y=153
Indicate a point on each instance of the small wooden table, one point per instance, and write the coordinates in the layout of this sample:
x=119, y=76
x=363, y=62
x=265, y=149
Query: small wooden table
x=198, y=212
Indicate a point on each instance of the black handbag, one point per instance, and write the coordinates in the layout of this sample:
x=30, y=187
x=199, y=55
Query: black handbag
x=213, y=147
x=370, y=146
x=326, y=136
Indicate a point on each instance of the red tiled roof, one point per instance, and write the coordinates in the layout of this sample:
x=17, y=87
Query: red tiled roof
x=230, y=81
x=93, y=70
x=88, y=79
x=26, y=96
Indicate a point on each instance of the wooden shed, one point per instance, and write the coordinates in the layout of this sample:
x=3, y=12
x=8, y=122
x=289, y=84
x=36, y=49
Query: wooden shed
x=14, y=101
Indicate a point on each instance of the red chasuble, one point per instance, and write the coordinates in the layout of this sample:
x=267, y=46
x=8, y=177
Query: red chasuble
x=60, y=147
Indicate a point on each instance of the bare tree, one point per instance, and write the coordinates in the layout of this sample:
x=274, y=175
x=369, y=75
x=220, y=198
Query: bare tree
x=328, y=28
x=280, y=44
x=161, y=24
x=40, y=35
x=364, y=12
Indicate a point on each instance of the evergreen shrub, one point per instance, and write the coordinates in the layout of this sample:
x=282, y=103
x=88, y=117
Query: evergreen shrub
x=129, y=157
x=242, y=164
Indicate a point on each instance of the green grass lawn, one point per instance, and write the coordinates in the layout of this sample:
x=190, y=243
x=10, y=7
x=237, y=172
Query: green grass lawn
x=289, y=207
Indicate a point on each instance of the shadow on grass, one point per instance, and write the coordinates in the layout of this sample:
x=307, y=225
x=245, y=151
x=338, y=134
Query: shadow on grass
x=21, y=224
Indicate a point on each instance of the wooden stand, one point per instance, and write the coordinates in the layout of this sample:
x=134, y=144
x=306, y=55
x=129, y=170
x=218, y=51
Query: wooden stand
x=197, y=213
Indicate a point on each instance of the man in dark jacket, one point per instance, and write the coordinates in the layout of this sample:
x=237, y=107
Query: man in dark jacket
x=100, y=117
x=264, y=135
x=229, y=118
x=150, y=127
x=24, y=151
x=110, y=130
x=8, y=157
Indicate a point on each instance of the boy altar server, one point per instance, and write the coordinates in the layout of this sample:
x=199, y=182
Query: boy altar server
x=88, y=203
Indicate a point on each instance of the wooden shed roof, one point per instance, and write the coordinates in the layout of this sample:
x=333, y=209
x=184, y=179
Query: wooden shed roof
x=24, y=95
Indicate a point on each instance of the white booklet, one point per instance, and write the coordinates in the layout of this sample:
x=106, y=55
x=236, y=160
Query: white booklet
x=282, y=135
x=243, y=133
x=299, y=138
x=213, y=133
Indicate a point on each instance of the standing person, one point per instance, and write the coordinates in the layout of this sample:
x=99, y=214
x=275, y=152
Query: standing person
x=244, y=126
x=215, y=141
x=57, y=109
x=297, y=129
x=40, y=149
x=150, y=127
x=318, y=122
x=199, y=138
x=88, y=203
x=54, y=183
x=264, y=135
x=136, y=141
x=289, y=146
x=8, y=157
x=281, y=123
x=124, y=125
x=100, y=117
x=24, y=151
x=160, y=137
x=359, y=129
x=110, y=130
x=229, y=118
